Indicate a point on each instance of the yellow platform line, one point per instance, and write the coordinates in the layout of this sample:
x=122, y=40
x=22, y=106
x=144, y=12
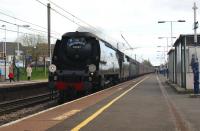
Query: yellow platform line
x=90, y=118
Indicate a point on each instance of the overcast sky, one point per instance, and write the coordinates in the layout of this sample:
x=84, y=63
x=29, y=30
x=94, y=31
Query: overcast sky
x=136, y=20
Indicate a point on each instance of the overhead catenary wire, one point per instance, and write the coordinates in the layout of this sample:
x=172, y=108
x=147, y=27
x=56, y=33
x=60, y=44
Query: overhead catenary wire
x=23, y=32
x=56, y=12
x=72, y=14
x=15, y=31
x=71, y=20
x=25, y=21
x=68, y=18
x=41, y=2
x=53, y=9
x=31, y=29
x=79, y=19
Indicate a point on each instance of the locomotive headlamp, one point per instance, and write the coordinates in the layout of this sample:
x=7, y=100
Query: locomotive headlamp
x=52, y=68
x=92, y=68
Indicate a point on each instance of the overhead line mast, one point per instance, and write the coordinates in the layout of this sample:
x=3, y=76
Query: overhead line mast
x=49, y=29
x=126, y=41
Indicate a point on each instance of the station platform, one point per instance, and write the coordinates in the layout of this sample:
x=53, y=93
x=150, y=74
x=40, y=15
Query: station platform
x=7, y=83
x=144, y=104
x=21, y=89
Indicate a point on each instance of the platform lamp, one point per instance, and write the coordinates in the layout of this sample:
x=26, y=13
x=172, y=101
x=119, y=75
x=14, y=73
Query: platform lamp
x=167, y=40
x=4, y=50
x=164, y=51
x=25, y=26
x=159, y=22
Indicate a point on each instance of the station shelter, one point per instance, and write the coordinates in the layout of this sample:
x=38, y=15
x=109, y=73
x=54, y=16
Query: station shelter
x=171, y=65
x=180, y=71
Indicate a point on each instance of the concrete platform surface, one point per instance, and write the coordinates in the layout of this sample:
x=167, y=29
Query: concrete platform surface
x=18, y=83
x=149, y=104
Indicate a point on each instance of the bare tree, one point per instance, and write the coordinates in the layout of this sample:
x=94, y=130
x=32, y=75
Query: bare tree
x=147, y=62
x=31, y=39
x=30, y=43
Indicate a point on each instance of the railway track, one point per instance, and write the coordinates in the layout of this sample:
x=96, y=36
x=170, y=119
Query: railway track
x=14, y=105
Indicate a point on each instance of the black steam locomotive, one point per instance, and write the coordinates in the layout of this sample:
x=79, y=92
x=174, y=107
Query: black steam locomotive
x=82, y=62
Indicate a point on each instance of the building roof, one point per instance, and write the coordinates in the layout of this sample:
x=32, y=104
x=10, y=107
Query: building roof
x=189, y=39
x=11, y=47
x=170, y=51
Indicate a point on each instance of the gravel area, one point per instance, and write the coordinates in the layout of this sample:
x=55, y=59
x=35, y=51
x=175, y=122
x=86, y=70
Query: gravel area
x=25, y=112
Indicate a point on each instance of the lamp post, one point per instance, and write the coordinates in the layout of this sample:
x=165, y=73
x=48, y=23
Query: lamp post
x=130, y=48
x=171, y=27
x=163, y=52
x=25, y=26
x=166, y=39
x=35, y=55
x=4, y=50
x=160, y=58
